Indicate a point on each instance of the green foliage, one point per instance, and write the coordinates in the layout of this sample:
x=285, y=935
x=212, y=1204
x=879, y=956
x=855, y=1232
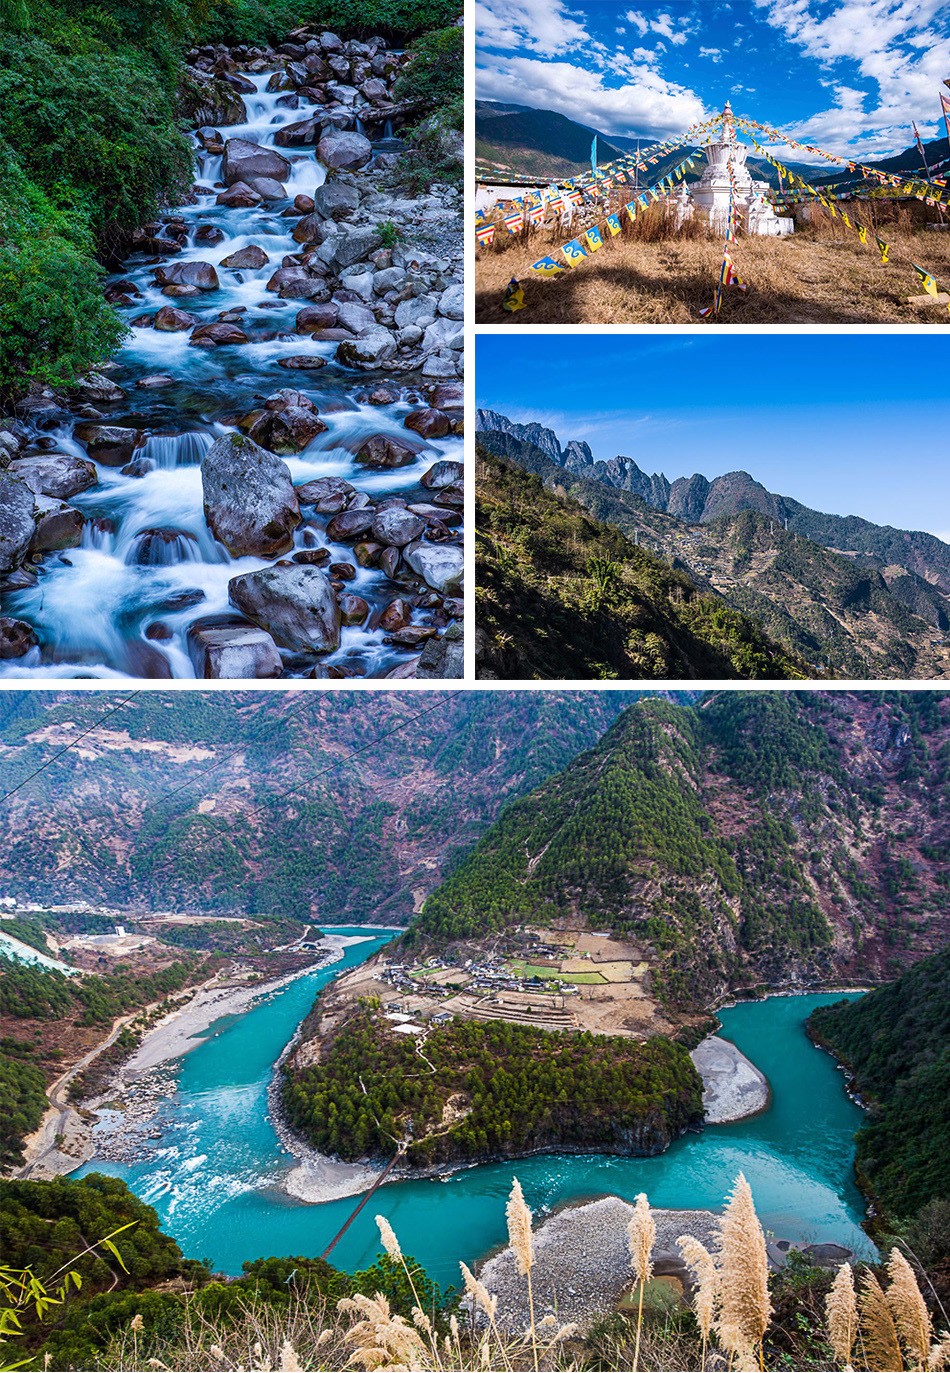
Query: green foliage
x=896, y=1042
x=542, y=617
x=22, y=1099
x=32, y=993
x=270, y=21
x=54, y=323
x=515, y=1090
x=436, y=74
x=389, y=232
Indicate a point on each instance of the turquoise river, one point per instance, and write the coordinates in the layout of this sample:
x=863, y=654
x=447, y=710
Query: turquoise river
x=214, y=1176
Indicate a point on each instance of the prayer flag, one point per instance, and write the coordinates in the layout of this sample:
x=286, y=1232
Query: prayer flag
x=574, y=252
x=547, y=267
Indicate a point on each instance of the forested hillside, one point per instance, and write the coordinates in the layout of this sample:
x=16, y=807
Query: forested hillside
x=332, y=807
x=93, y=100
x=896, y=1043
x=560, y=595
x=867, y=614
x=753, y=838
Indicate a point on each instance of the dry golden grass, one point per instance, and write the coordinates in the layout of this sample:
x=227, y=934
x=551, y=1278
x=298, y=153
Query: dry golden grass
x=821, y=275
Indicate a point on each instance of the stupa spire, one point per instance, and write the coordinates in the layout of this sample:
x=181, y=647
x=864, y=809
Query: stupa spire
x=728, y=123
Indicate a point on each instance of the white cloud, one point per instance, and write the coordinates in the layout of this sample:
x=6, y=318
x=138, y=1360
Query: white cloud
x=714, y=53
x=542, y=26
x=640, y=24
x=899, y=47
x=646, y=103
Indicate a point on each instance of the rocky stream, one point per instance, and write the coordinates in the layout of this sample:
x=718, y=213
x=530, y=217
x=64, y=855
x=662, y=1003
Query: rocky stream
x=266, y=480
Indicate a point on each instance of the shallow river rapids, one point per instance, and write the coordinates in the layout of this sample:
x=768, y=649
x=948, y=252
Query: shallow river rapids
x=121, y=603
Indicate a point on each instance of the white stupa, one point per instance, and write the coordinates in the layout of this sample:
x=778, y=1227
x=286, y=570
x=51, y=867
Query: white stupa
x=710, y=195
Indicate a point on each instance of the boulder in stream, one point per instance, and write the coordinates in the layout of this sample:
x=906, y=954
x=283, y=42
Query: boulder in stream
x=252, y=256
x=294, y=602
x=439, y=564
x=300, y=134
x=344, y=150
x=244, y=160
x=170, y=320
x=111, y=444
x=384, y=451
x=201, y=275
x=16, y=637
x=428, y=424
x=58, y=525
x=95, y=389
x=217, y=335
x=16, y=520
x=226, y=646
x=288, y=422
x=56, y=474
x=249, y=500
x=240, y=196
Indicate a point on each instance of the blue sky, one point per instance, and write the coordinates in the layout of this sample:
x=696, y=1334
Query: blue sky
x=846, y=75
x=848, y=424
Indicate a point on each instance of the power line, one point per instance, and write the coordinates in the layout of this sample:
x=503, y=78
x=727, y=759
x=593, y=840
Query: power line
x=113, y=710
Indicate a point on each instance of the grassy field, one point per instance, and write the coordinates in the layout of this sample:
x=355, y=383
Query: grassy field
x=822, y=275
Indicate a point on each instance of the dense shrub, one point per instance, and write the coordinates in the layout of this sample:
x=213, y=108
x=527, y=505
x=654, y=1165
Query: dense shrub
x=269, y=21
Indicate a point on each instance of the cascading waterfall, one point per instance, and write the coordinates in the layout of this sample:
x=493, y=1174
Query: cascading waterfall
x=147, y=566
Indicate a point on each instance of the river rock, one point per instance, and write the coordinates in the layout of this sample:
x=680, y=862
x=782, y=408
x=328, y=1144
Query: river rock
x=353, y=609
x=56, y=474
x=355, y=317
x=244, y=160
x=419, y=311
x=16, y=637
x=307, y=229
x=350, y=524
x=16, y=520
x=252, y=256
x=95, y=389
x=384, y=451
x=171, y=320
x=201, y=275
x=267, y=188
x=439, y=564
x=206, y=100
x=443, y=658
x=326, y=494
x=314, y=317
x=110, y=444
x=240, y=196
x=287, y=424
x=397, y=526
x=225, y=646
x=428, y=424
x=336, y=200
x=155, y=382
x=348, y=246
x=57, y=526
x=210, y=139
x=369, y=350
x=442, y=474
x=249, y=500
x=297, y=283
x=302, y=362
x=218, y=335
x=396, y=615
x=444, y=334
x=447, y=396
x=294, y=602
x=298, y=135
x=452, y=302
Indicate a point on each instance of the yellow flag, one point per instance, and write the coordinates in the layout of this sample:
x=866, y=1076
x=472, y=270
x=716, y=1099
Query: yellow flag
x=926, y=280
x=885, y=250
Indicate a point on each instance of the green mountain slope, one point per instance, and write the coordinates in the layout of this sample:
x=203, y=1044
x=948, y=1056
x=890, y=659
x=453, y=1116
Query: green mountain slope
x=896, y=1043
x=560, y=596
x=779, y=838
x=841, y=615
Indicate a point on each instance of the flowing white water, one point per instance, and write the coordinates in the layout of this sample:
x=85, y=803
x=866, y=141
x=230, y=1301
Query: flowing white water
x=147, y=561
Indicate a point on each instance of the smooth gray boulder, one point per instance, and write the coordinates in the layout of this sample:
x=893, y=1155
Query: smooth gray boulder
x=397, y=526
x=249, y=500
x=244, y=160
x=55, y=474
x=294, y=602
x=16, y=520
x=58, y=525
x=349, y=246
x=440, y=565
x=110, y=444
x=369, y=350
x=335, y=200
x=344, y=150
x=201, y=275
x=226, y=646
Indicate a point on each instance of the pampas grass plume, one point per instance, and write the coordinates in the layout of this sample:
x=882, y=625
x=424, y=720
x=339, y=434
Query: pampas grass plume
x=882, y=1351
x=641, y=1236
x=908, y=1309
x=841, y=1314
